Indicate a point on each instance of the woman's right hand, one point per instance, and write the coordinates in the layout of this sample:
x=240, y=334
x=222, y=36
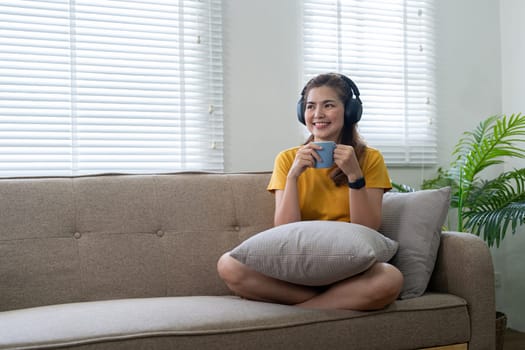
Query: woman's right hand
x=306, y=157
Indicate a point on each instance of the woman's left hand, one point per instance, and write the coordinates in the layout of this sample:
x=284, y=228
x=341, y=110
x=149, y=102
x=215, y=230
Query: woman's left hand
x=346, y=159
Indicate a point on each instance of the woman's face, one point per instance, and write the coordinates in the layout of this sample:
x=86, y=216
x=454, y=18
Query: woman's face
x=324, y=114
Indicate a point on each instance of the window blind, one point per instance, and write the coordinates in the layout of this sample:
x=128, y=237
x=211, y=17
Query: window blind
x=387, y=49
x=90, y=86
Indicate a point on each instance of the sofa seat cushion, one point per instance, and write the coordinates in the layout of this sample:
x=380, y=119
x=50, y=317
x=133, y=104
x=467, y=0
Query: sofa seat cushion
x=430, y=320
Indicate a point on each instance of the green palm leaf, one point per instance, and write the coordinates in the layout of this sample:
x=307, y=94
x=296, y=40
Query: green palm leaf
x=491, y=141
x=402, y=188
x=495, y=205
x=493, y=224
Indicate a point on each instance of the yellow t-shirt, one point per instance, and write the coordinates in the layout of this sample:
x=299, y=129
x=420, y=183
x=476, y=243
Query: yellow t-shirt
x=319, y=197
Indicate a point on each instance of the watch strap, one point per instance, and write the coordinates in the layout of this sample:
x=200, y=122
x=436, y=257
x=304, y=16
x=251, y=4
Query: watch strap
x=357, y=184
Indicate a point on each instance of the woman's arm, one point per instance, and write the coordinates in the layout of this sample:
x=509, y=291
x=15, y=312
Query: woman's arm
x=287, y=205
x=365, y=203
x=365, y=206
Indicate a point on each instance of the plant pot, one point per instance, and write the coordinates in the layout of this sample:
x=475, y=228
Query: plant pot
x=501, y=326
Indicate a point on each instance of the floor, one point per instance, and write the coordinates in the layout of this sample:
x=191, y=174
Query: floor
x=513, y=340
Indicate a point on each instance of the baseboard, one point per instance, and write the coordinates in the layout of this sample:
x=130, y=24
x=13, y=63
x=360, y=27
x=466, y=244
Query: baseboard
x=463, y=346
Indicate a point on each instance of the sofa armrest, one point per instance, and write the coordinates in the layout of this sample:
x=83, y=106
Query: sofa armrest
x=464, y=268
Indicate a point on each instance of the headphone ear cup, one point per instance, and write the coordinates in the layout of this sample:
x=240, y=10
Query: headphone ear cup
x=353, y=111
x=300, y=111
x=353, y=107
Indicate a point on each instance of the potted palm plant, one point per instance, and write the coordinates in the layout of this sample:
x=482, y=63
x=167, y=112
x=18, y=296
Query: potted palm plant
x=486, y=207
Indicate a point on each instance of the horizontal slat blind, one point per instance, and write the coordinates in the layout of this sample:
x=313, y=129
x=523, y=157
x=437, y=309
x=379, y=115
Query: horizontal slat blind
x=94, y=86
x=35, y=84
x=387, y=48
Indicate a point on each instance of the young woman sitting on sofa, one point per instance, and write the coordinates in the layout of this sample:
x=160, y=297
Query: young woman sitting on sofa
x=330, y=108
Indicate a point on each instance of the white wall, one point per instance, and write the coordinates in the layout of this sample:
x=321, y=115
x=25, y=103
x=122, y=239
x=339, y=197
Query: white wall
x=509, y=259
x=262, y=77
x=263, y=80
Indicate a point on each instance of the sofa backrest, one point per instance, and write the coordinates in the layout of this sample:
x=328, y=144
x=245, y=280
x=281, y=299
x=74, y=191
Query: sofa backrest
x=123, y=236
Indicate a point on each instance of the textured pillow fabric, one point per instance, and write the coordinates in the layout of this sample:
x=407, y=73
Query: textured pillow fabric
x=314, y=253
x=414, y=220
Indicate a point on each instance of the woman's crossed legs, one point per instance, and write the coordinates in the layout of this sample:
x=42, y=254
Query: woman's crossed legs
x=373, y=289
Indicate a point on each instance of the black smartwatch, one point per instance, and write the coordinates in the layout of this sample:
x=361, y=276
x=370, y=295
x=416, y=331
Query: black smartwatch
x=357, y=184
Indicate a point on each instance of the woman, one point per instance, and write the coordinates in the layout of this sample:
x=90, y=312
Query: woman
x=352, y=191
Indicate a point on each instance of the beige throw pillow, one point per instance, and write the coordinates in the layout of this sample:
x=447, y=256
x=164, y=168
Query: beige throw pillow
x=414, y=220
x=315, y=253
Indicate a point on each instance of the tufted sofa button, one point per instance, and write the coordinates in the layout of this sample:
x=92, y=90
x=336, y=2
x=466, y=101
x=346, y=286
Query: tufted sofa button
x=237, y=228
x=160, y=233
x=77, y=235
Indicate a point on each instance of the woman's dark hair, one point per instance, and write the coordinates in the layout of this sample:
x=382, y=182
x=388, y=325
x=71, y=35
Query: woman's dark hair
x=349, y=134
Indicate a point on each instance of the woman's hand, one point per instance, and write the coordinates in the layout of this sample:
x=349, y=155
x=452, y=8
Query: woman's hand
x=346, y=159
x=306, y=157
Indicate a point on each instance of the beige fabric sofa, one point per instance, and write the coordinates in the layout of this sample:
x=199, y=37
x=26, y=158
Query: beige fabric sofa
x=129, y=262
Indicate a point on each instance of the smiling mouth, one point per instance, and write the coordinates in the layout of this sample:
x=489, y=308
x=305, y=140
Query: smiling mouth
x=321, y=124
